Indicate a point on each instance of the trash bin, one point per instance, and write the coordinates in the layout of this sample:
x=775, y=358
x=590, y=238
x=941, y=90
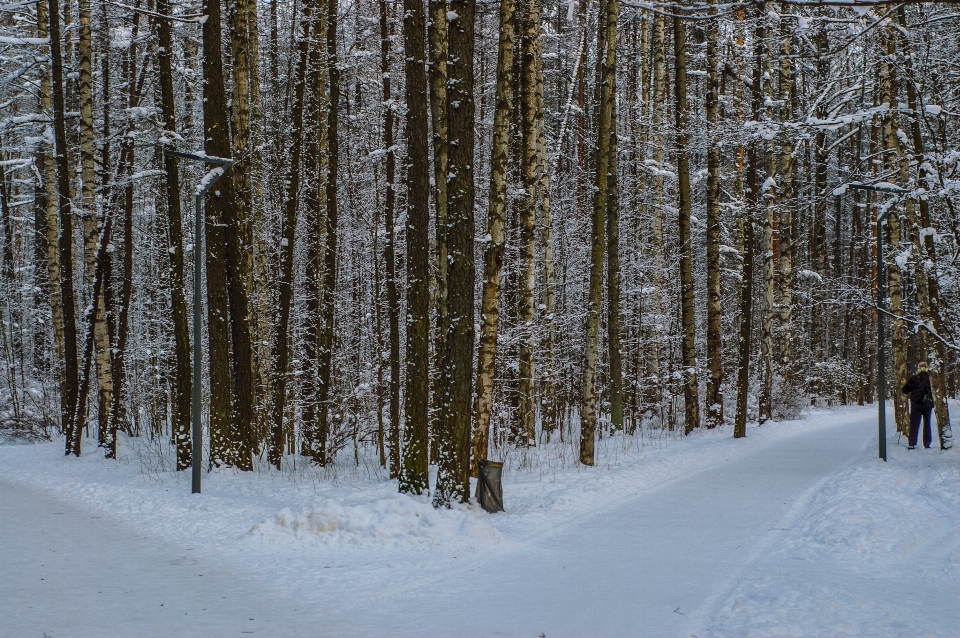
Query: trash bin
x=489, y=489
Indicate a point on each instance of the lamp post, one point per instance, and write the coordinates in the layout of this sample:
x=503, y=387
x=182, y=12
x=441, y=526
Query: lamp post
x=208, y=180
x=881, y=358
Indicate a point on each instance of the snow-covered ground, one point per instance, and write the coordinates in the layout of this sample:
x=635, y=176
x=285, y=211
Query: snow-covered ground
x=797, y=530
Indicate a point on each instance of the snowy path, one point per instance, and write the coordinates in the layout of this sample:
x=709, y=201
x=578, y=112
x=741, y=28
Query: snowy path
x=647, y=568
x=796, y=531
x=67, y=572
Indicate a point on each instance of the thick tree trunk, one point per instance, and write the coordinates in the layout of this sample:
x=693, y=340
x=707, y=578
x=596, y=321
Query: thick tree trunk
x=691, y=399
x=329, y=280
x=714, y=398
x=456, y=372
x=416, y=395
x=496, y=219
x=788, y=208
x=393, y=296
x=548, y=394
x=315, y=167
x=613, y=236
x=527, y=406
x=216, y=133
x=47, y=168
x=606, y=69
x=239, y=237
x=70, y=380
x=183, y=379
x=437, y=42
x=746, y=301
x=768, y=192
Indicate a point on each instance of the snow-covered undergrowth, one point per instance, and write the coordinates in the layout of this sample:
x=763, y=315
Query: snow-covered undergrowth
x=396, y=521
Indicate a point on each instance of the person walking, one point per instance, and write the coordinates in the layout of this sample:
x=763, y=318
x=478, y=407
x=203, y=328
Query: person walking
x=921, y=404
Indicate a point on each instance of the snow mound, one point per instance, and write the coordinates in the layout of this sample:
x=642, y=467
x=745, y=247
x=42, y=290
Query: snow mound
x=397, y=521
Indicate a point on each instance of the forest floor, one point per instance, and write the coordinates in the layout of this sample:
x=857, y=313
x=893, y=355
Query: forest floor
x=797, y=530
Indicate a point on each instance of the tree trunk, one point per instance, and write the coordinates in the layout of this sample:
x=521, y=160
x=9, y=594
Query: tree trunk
x=548, y=396
x=437, y=42
x=239, y=237
x=456, y=373
x=90, y=216
x=393, y=296
x=416, y=395
x=606, y=69
x=613, y=235
x=216, y=133
x=183, y=383
x=68, y=387
x=714, y=398
x=691, y=400
x=493, y=249
x=48, y=171
x=526, y=414
x=329, y=281
x=787, y=208
x=769, y=193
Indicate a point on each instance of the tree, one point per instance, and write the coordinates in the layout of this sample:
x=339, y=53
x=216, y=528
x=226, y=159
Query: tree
x=416, y=395
x=69, y=389
x=216, y=132
x=606, y=131
x=691, y=401
x=494, y=240
x=456, y=367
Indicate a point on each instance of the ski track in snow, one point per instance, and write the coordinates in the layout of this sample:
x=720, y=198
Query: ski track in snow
x=337, y=547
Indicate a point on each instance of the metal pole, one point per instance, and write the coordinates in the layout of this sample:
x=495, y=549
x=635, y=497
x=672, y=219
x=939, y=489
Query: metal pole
x=196, y=456
x=196, y=452
x=881, y=358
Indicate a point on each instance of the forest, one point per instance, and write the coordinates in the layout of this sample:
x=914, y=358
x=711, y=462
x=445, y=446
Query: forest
x=453, y=228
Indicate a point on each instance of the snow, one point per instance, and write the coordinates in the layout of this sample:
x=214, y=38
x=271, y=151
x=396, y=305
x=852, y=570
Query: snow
x=796, y=530
x=12, y=40
x=398, y=521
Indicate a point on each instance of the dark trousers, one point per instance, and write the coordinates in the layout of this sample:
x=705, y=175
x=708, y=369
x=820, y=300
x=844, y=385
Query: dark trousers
x=915, y=413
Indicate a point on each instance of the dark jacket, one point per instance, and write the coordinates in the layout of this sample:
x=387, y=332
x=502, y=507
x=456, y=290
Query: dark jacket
x=917, y=386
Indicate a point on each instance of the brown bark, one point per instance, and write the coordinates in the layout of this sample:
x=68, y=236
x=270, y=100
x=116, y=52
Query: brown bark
x=496, y=219
x=329, y=280
x=216, y=133
x=72, y=427
x=605, y=130
x=456, y=372
x=691, y=400
x=393, y=297
x=714, y=398
x=529, y=22
x=414, y=475
x=183, y=379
